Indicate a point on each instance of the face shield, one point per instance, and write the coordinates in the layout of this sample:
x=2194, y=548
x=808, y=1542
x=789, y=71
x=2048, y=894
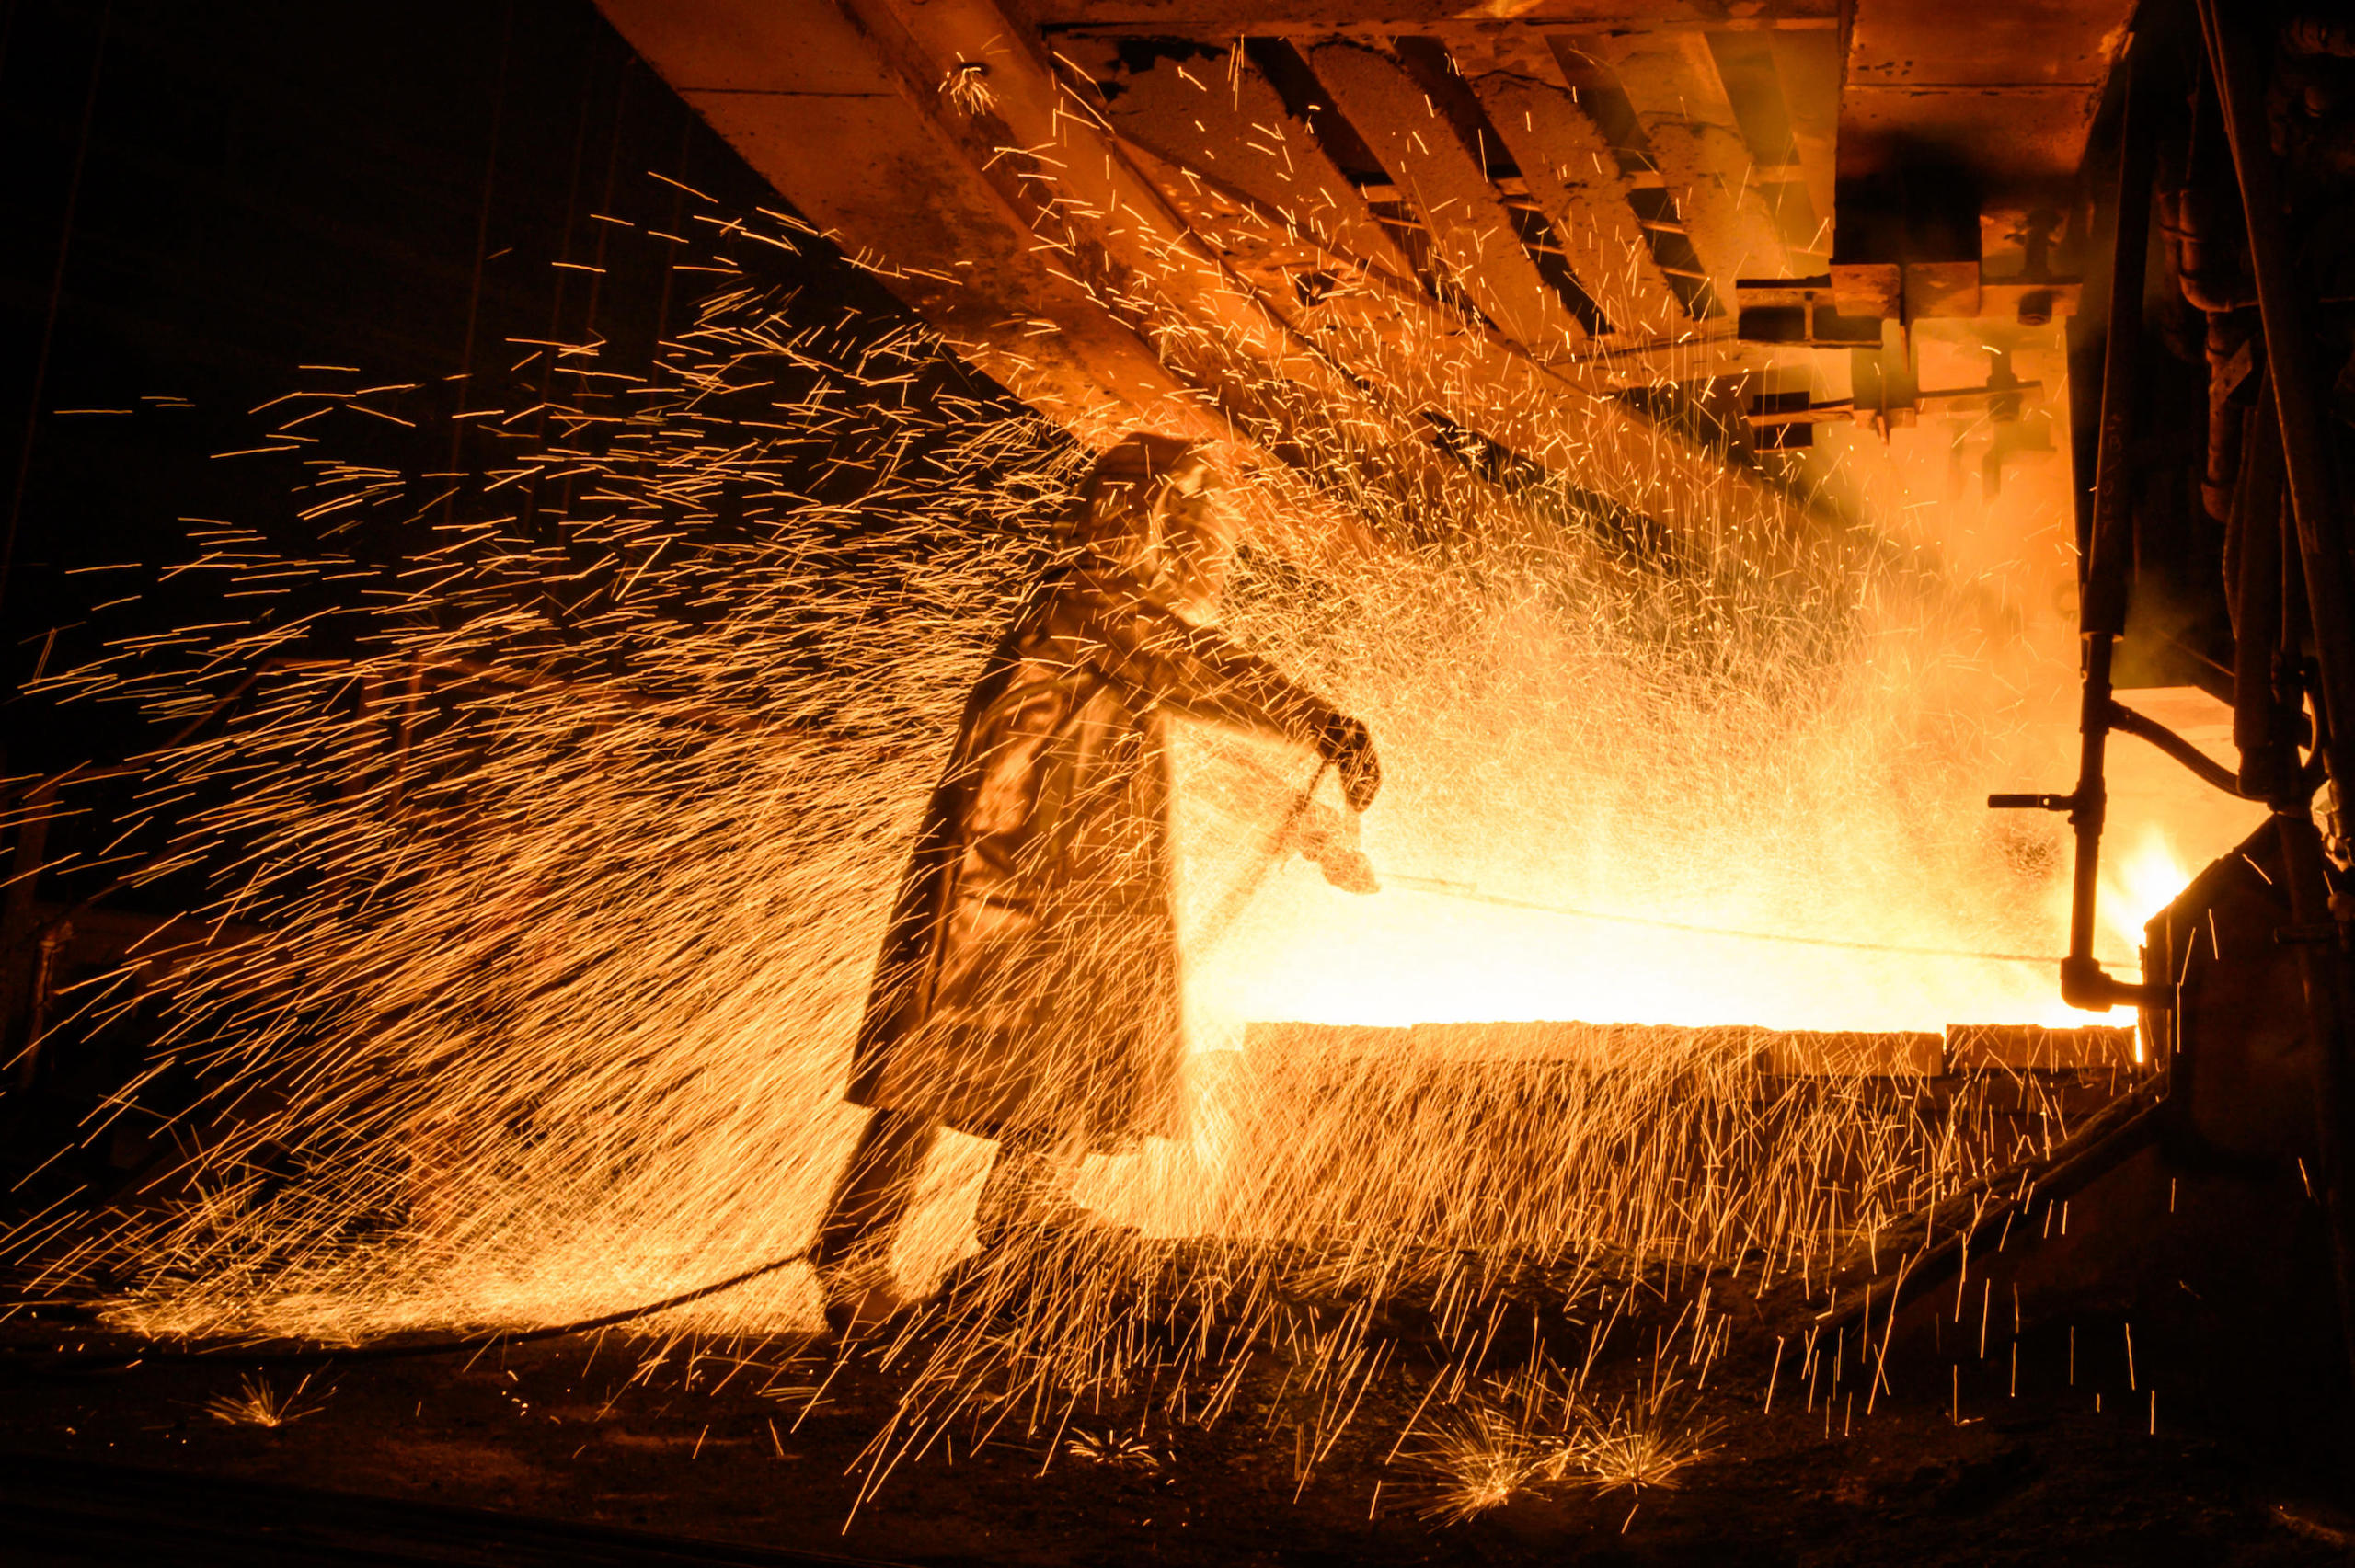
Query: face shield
x=1199, y=534
x=1150, y=512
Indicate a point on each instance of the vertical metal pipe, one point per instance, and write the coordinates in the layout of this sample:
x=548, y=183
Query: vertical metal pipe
x=2102, y=617
x=18, y=963
x=2083, y=983
x=48, y=958
x=364, y=738
x=404, y=728
x=2111, y=547
x=2267, y=764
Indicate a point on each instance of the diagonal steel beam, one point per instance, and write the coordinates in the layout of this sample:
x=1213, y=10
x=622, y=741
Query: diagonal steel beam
x=801, y=92
x=1576, y=180
x=1473, y=237
x=1225, y=125
x=1671, y=79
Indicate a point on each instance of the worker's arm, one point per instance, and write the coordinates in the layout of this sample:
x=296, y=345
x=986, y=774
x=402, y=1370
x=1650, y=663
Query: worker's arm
x=1204, y=674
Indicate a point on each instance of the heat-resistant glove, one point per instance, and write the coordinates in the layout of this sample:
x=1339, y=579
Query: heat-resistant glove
x=1348, y=746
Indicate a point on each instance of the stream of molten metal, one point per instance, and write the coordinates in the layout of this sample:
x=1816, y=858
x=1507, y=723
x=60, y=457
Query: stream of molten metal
x=1409, y=956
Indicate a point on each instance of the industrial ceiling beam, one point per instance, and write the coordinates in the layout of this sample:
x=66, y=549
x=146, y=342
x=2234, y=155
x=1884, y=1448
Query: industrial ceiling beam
x=1962, y=126
x=804, y=94
x=1751, y=67
x=1226, y=147
x=986, y=183
x=2006, y=93
x=1574, y=177
x=1673, y=83
x=1807, y=66
x=1474, y=239
x=1010, y=218
x=1222, y=122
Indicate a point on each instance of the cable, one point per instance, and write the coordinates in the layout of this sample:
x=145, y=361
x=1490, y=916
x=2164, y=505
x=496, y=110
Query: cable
x=403, y=1352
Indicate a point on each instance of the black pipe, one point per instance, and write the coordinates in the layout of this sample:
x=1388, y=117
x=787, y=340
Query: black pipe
x=2109, y=549
x=2208, y=771
x=2266, y=763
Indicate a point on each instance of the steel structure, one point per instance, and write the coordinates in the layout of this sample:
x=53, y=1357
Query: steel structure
x=1249, y=222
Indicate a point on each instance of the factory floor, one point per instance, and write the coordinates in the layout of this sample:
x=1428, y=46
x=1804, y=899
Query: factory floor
x=574, y=1452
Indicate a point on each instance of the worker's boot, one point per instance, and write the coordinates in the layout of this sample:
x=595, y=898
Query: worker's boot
x=1026, y=1222
x=1028, y=1195
x=851, y=1252
x=861, y=1297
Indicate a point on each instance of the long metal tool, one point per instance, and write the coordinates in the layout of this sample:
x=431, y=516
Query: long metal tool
x=1246, y=886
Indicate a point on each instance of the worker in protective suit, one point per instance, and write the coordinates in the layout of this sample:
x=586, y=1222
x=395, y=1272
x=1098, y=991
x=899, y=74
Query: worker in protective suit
x=1027, y=989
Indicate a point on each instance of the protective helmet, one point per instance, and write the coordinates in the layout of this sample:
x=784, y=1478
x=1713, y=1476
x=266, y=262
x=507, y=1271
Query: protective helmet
x=1142, y=510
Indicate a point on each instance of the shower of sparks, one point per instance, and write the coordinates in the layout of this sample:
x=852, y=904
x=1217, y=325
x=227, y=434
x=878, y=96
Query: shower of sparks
x=968, y=86
x=1477, y=1463
x=547, y=906
x=1632, y=1455
x=1124, y=1450
x=256, y=1404
x=1532, y=1433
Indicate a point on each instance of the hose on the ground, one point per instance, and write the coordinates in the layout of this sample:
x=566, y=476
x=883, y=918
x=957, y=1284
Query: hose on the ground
x=496, y=1339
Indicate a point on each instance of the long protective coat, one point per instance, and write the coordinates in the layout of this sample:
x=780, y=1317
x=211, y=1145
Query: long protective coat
x=1029, y=978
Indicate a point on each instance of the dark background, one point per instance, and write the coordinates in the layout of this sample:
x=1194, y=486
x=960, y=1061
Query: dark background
x=203, y=199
